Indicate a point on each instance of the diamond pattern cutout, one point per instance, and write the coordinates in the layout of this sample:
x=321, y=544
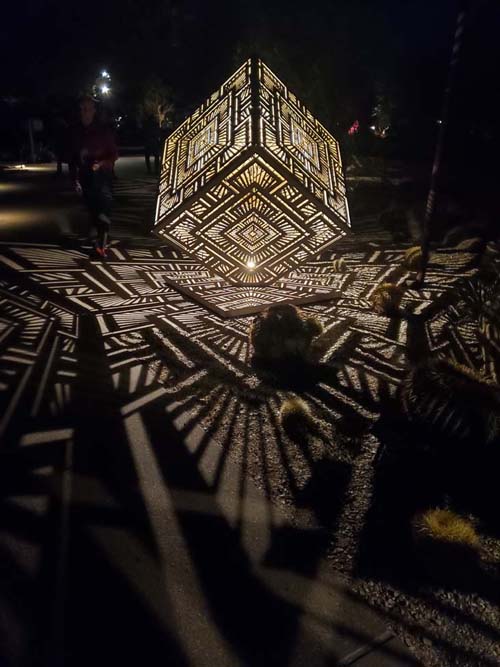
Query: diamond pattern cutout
x=252, y=183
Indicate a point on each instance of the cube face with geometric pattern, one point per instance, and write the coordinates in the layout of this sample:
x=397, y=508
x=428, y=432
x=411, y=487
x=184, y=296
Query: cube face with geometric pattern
x=251, y=184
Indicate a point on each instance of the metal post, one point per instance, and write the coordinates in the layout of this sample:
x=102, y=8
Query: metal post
x=431, y=198
x=32, y=141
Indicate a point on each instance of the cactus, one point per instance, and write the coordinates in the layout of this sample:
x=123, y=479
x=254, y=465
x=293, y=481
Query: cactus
x=283, y=332
x=386, y=299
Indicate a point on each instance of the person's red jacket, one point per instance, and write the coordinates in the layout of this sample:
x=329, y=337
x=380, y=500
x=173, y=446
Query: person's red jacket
x=91, y=145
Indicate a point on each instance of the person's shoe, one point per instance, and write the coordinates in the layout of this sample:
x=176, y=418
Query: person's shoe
x=101, y=251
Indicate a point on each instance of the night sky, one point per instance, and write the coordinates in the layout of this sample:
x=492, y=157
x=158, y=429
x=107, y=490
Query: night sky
x=334, y=53
x=194, y=44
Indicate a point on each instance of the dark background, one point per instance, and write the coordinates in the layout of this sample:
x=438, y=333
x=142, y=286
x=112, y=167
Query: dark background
x=337, y=55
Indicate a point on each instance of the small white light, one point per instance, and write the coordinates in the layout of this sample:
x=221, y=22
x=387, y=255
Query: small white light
x=439, y=121
x=251, y=264
x=105, y=74
x=372, y=127
x=105, y=89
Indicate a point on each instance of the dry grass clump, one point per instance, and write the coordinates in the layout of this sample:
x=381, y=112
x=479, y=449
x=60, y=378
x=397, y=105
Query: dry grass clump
x=283, y=332
x=413, y=258
x=339, y=266
x=445, y=526
x=296, y=418
x=386, y=299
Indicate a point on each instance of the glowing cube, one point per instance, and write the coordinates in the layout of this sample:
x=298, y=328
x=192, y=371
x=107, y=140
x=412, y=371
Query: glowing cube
x=251, y=183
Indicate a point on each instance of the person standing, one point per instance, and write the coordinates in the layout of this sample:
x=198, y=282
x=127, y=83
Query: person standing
x=152, y=141
x=93, y=155
x=59, y=142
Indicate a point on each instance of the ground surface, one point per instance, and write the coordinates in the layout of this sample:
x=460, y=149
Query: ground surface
x=149, y=492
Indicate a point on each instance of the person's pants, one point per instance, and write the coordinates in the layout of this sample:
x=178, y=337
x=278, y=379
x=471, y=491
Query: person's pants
x=147, y=159
x=97, y=190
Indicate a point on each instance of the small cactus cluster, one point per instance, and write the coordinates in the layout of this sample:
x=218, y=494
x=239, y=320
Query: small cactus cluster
x=339, y=265
x=296, y=417
x=283, y=332
x=386, y=299
x=413, y=258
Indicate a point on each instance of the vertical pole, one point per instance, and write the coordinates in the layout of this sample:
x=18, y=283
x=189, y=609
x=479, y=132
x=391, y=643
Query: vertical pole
x=445, y=109
x=32, y=141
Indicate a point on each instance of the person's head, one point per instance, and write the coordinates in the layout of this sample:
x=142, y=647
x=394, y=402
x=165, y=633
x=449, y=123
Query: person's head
x=87, y=110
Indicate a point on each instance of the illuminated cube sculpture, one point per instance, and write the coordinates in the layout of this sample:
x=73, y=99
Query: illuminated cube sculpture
x=251, y=183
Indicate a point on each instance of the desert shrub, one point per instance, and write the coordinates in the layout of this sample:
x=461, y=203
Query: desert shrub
x=296, y=417
x=339, y=266
x=489, y=269
x=386, y=299
x=479, y=298
x=478, y=303
x=283, y=332
x=492, y=254
x=454, y=399
x=413, y=258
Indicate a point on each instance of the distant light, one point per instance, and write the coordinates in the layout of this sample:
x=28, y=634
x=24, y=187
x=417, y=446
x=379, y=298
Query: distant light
x=439, y=121
x=105, y=74
x=105, y=90
x=372, y=127
x=251, y=264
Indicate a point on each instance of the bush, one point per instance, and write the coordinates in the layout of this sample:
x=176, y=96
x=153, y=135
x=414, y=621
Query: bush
x=282, y=333
x=413, y=258
x=454, y=399
x=479, y=298
x=386, y=299
x=489, y=267
x=296, y=417
x=479, y=305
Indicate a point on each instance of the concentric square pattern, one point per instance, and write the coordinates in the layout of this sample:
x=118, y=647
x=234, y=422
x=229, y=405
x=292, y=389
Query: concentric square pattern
x=251, y=184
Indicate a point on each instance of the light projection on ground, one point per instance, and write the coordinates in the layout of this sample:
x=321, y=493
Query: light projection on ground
x=251, y=183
